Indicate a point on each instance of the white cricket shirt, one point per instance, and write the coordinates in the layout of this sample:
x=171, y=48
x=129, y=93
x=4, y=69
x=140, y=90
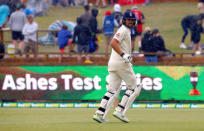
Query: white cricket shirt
x=116, y=61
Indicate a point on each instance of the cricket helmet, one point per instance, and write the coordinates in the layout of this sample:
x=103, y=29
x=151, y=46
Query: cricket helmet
x=129, y=15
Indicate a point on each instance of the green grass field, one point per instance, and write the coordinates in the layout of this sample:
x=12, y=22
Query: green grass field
x=80, y=119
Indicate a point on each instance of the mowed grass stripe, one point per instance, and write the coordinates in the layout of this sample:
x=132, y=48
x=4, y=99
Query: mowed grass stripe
x=78, y=119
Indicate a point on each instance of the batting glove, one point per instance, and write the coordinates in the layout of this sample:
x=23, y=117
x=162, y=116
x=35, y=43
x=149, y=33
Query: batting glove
x=126, y=58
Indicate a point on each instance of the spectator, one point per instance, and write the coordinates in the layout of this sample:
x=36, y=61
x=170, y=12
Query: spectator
x=55, y=2
x=147, y=2
x=148, y=46
x=11, y=4
x=201, y=10
x=16, y=23
x=138, y=31
x=83, y=34
x=102, y=1
x=28, y=12
x=108, y=28
x=118, y=16
x=196, y=30
x=62, y=3
x=46, y=5
x=70, y=3
x=186, y=24
x=159, y=43
x=23, y=2
x=30, y=32
x=2, y=50
x=86, y=16
x=38, y=7
x=2, y=47
x=31, y=6
x=189, y=22
x=201, y=7
x=4, y=13
x=93, y=25
x=158, y=40
x=112, y=2
x=63, y=39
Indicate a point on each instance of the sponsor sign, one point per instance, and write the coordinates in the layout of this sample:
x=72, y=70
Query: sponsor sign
x=91, y=83
x=96, y=105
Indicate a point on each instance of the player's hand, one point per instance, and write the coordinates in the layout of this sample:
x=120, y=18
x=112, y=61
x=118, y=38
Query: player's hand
x=126, y=58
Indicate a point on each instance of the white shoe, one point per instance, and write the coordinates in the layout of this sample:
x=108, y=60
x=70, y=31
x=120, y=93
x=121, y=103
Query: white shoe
x=197, y=52
x=120, y=116
x=99, y=118
x=183, y=46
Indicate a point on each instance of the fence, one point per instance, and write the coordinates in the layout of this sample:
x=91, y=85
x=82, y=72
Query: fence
x=45, y=56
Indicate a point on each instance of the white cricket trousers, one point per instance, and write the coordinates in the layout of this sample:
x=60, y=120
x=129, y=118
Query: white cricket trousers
x=117, y=76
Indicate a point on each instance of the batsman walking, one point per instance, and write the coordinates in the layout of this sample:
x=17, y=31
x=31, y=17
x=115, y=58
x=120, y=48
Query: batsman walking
x=120, y=68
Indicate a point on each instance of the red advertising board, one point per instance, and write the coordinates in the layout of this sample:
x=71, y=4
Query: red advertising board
x=131, y=2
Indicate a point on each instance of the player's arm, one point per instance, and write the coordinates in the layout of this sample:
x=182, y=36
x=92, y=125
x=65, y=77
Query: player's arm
x=115, y=45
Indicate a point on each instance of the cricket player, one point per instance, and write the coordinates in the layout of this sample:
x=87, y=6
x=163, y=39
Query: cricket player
x=120, y=68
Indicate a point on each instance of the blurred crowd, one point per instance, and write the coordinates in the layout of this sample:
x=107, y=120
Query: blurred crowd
x=84, y=38
x=37, y=7
x=195, y=24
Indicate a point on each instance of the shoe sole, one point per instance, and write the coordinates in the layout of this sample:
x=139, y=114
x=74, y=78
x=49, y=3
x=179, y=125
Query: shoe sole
x=99, y=121
x=120, y=118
